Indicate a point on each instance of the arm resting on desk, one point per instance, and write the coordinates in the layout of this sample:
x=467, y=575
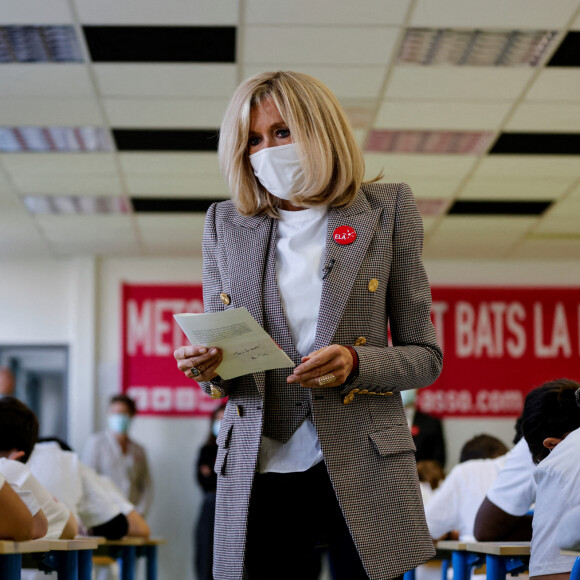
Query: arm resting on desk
x=71, y=528
x=493, y=524
x=137, y=525
x=17, y=522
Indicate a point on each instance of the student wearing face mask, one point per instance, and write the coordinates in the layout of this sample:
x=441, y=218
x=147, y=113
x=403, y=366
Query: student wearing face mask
x=318, y=454
x=114, y=454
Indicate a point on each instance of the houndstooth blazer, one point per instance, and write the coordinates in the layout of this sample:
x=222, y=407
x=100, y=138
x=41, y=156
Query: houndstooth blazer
x=367, y=446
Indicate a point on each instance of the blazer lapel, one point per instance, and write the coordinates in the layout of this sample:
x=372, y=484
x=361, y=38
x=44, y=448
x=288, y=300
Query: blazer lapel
x=247, y=268
x=346, y=261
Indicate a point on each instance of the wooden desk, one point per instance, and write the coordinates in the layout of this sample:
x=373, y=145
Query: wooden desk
x=575, y=574
x=128, y=549
x=502, y=558
x=72, y=559
x=462, y=561
x=11, y=556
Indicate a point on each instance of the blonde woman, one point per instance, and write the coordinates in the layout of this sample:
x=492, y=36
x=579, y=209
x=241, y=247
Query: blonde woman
x=319, y=454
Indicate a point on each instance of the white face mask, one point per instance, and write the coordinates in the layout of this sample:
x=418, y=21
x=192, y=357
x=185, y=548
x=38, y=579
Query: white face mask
x=278, y=170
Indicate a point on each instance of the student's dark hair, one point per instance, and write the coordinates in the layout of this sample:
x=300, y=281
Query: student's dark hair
x=126, y=401
x=518, y=428
x=482, y=447
x=52, y=439
x=18, y=427
x=551, y=410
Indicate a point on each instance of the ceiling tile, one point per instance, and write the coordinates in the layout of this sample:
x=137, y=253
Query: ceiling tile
x=166, y=163
x=433, y=187
x=476, y=237
x=546, y=248
x=176, y=235
x=555, y=84
x=166, y=80
x=101, y=234
x=550, y=117
x=405, y=167
x=68, y=184
x=35, y=12
x=19, y=237
x=530, y=166
x=22, y=164
x=346, y=82
x=325, y=12
x=51, y=80
x=176, y=185
x=49, y=112
x=318, y=45
x=514, y=188
x=521, y=14
x=154, y=113
x=438, y=115
x=201, y=12
x=468, y=83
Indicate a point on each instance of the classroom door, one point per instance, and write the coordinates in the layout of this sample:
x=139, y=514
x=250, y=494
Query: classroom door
x=41, y=381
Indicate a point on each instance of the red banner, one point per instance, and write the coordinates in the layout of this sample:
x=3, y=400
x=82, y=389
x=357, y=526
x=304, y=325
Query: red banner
x=150, y=335
x=499, y=343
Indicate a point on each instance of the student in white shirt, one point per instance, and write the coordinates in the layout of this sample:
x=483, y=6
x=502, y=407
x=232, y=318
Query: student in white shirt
x=101, y=510
x=17, y=521
x=114, y=454
x=454, y=503
x=551, y=426
x=503, y=513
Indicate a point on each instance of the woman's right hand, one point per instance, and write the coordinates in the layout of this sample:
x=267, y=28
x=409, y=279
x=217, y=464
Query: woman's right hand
x=198, y=362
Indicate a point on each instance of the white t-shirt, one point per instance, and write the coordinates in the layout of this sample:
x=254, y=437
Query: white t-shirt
x=557, y=477
x=514, y=490
x=21, y=479
x=455, y=502
x=75, y=484
x=299, y=269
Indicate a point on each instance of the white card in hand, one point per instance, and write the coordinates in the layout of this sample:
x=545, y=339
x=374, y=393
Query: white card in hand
x=246, y=346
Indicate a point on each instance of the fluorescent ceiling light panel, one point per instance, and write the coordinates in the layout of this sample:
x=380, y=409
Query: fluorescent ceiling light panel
x=39, y=44
x=76, y=205
x=440, y=46
x=41, y=139
x=447, y=142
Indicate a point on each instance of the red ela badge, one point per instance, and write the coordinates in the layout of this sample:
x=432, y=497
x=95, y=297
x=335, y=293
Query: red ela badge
x=344, y=235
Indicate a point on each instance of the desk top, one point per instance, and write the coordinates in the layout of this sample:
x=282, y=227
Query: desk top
x=30, y=547
x=499, y=548
x=450, y=545
x=135, y=541
x=82, y=543
x=570, y=552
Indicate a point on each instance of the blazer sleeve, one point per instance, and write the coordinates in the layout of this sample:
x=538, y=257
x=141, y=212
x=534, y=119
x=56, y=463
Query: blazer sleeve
x=415, y=359
x=212, y=286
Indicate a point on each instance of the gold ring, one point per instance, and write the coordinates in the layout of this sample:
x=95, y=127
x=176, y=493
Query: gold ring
x=195, y=372
x=326, y=379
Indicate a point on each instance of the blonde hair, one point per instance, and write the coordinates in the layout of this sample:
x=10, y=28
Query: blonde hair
x=330, y=157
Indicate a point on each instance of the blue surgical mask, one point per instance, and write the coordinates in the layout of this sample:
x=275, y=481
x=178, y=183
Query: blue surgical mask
x=215, y=427
x=119, y=423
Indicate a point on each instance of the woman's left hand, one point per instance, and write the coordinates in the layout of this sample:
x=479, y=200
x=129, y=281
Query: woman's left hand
x=327, y=367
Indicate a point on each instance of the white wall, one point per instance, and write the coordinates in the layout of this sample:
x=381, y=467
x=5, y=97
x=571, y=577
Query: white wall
x=77, y=302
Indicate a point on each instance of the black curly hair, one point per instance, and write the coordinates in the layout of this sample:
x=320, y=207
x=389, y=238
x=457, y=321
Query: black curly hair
x=552, y=410
x=18, y=427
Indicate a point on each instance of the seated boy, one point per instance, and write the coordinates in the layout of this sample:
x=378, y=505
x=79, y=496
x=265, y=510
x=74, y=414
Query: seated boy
x=18, y=433
x=17, y=521
x=101, y=510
